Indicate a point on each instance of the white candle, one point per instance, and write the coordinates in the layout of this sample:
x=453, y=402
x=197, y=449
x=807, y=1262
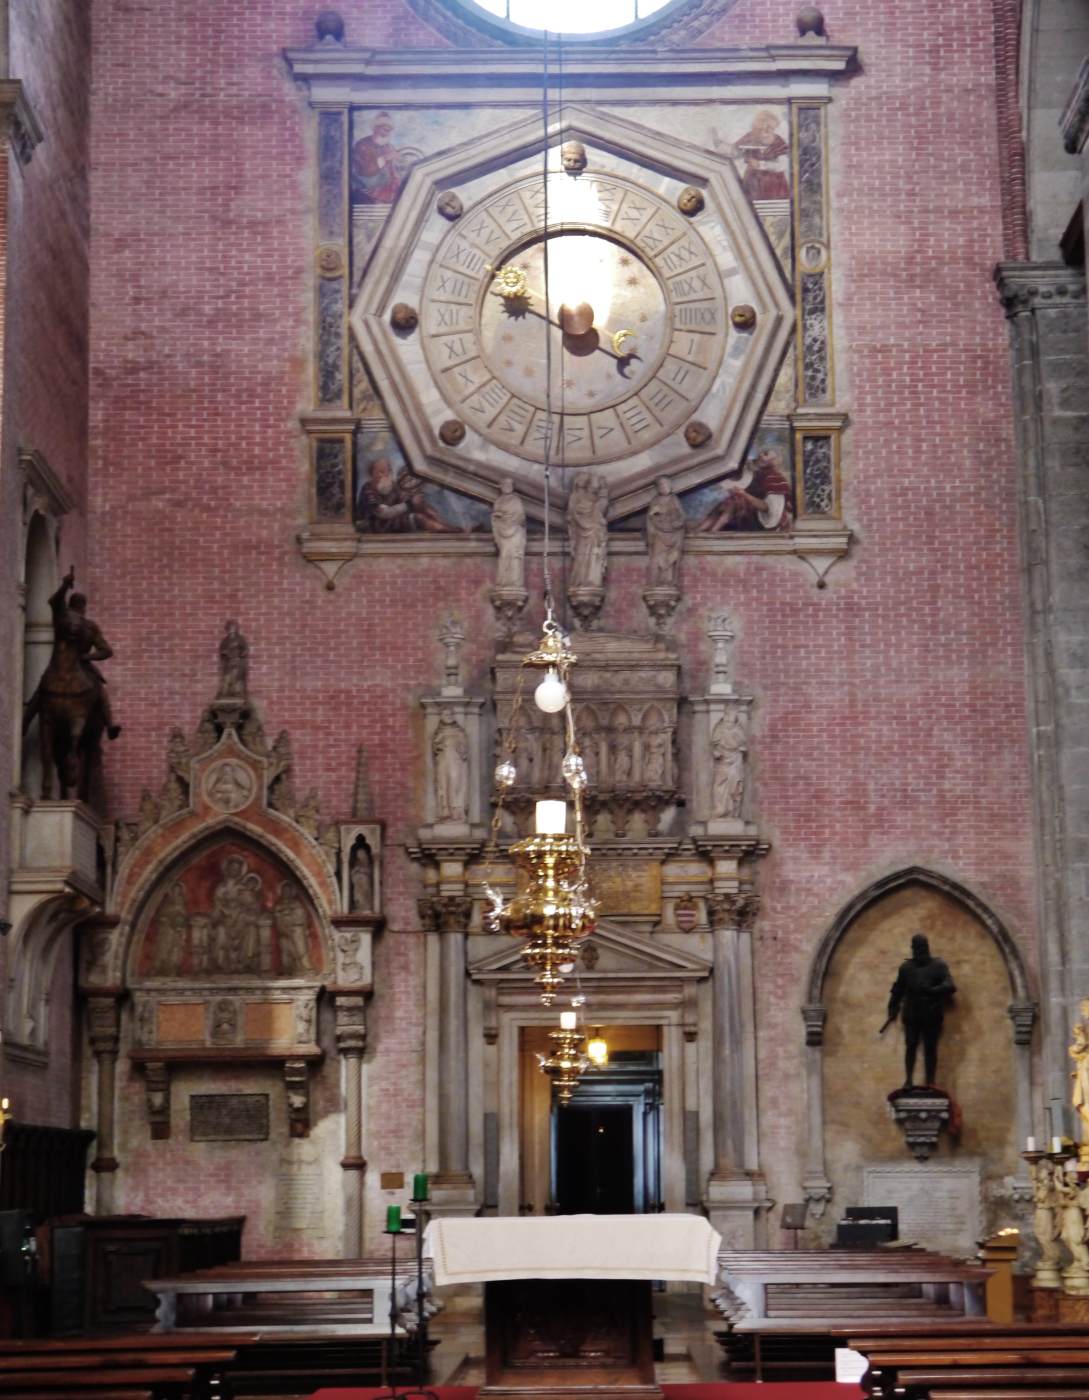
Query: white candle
x=1056, y=1144
x=567, y=1020
x=551, y=818
x=1030, y=1144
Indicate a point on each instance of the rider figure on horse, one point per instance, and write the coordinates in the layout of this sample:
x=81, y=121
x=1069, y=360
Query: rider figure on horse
x=73, y=631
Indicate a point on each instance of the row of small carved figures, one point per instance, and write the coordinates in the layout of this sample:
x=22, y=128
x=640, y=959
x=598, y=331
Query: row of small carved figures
x=621, y=758
x=619, y=807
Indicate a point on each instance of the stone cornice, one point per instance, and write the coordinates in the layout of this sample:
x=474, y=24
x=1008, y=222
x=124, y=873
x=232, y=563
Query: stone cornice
x=43, y=482
x=338, y=74
x=22, y=126
x=1031, y=286
x=1074, y=122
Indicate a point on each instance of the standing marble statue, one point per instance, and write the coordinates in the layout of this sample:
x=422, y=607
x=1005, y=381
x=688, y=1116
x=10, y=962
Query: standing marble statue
x=587, y=529
x=728, y=746
x=665, y=536
x=509, y=533
x=362, y=880
x=1079, y=1053
x=234, y=653
x=450, y=750
x=1073, y=1228
x=1045, y=1224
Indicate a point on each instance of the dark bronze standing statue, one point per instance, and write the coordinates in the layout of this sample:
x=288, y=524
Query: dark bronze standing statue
x=919, y=996
x=71, y=701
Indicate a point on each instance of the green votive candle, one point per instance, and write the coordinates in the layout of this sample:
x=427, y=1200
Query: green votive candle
x=393, y=1219
x=419, y=1186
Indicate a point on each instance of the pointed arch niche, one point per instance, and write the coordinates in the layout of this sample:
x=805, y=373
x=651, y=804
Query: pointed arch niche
x=984, y=1057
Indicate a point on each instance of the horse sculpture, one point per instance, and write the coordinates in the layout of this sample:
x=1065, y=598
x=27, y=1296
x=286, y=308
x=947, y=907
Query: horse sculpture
x=70, y=702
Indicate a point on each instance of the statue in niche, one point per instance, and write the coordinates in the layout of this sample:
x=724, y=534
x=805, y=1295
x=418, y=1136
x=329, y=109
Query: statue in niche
x=623, y=755
x=919, y=996
x=293, y=928
x=236, y=909
x=509, y=533
x=173, y=925
x=234, y=661
x=450, y=749
x=729, y=740
x=304, y=1021
x=200, y=943
x=1079, y=1053
x=587, y=529
x=665, y=536
x=361, y=879
x=655, y=756
x=71, y=701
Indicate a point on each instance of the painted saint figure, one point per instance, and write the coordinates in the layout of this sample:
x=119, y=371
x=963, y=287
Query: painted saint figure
x=759, y=499
x=389, y=505
x=378, y=167
x=509, y=533
x=920, y=994
x=665, y=536
x=761, y=151
x=450, y=750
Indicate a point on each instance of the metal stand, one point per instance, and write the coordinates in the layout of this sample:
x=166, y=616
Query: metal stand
x=420, y=1390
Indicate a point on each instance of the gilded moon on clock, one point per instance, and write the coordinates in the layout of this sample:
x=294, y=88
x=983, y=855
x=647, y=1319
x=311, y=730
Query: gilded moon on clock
x=615, y=352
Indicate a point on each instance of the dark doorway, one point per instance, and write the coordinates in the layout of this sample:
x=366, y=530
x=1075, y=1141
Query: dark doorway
x=595, y=1160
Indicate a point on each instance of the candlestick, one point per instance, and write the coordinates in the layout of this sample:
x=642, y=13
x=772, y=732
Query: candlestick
x=1030, y=1144
x=393, y=1219
x=551, y=818
x=419, y=1186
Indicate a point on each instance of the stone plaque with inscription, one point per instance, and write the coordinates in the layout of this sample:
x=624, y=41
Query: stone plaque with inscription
x=228, y=1117
x=939, y=1205
x=627, y=886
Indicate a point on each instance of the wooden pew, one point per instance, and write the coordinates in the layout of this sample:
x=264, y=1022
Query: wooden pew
x=99, y=1365
x=1005, y=1358
x=160, y=1381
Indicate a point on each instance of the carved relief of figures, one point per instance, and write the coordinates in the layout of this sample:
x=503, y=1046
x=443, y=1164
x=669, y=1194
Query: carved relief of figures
x=292, y=925
x=224, y=1028
x=509, y=533
x=1045, y=1221
x=728, y=745
x=200, y=944
x=656, y=750
x=234, y=655
x=348, y=946
x=1073, y=1222
x=173, y=927
x=665, y=536
x=304, y=1021
x=623, y=751
x=362, y=880
x=587, y=530
x=450, y=749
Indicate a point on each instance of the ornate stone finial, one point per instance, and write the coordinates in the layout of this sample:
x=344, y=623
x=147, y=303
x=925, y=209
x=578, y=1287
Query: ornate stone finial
x=329, y=26
x=362, y=800
x=721, y=635
x=810, y=21
x=451, y=635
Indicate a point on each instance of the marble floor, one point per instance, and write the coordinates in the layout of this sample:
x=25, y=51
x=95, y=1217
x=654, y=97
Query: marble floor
x=682, y=1320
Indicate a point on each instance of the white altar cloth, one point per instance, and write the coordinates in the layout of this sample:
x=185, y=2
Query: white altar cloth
x=483, y=1249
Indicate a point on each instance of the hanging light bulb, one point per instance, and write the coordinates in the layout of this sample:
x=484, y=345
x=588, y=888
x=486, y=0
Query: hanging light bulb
x=597, y=1049
x=551, y=694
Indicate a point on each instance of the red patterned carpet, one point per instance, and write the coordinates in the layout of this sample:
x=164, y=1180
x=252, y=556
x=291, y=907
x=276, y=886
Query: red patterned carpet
x=773, y=1390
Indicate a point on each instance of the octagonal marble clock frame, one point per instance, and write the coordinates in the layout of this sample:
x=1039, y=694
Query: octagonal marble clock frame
x=701, y=370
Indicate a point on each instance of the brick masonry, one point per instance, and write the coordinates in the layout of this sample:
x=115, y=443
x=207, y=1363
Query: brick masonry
x=890, y=723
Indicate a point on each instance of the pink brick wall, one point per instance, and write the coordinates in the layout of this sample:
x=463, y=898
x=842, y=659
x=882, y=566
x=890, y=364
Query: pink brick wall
x=890, y=726
x=44, y=277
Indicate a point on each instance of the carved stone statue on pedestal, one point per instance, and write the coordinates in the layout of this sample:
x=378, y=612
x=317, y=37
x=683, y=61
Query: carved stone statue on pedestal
x=1045, y=1223
x=729, y=741
x=234, y=655
x=665, y=529
x=509, y=532
x=587, y=531
x=450, y=748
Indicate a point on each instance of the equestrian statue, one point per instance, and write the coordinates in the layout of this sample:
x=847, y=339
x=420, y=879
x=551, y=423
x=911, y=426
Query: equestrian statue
x=71, y=702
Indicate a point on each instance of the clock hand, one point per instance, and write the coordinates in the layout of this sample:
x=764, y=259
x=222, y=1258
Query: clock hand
x=621, y=359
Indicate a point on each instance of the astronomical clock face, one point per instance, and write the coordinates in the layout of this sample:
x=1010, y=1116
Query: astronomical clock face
x=582, y=318
x=614, y=326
